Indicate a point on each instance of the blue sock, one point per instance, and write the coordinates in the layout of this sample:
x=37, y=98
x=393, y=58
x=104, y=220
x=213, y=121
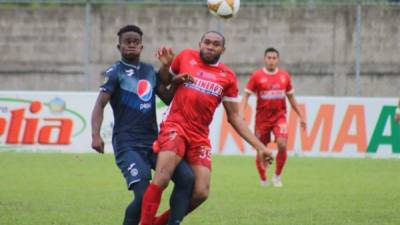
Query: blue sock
x=132, y=212
x=183, y=187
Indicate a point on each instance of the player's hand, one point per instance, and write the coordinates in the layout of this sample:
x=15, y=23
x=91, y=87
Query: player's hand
x=303, y=124
x=266, y=156
x=98, y=144
x=182, y=78
x=165, y=55
x=397, y=117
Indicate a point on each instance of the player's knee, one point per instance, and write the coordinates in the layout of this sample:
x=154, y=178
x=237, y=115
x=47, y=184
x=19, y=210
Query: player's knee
x=162, y=177
x=200, y=195
x=162, y=180
x=282, y=144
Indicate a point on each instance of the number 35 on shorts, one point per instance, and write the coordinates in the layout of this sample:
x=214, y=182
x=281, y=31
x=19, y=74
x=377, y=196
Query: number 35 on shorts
x=205, y=152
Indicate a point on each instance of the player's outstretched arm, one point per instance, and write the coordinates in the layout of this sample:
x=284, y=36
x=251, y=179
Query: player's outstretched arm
x=165, y=55
x=397, y=115
x=239, y=124
x=244, y=104
x=97, y=119
x=294, y=105
x=166, y=93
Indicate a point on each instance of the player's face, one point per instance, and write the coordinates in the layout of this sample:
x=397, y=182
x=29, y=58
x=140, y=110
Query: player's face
x=130, y=45
x=211, y=48
x=271, y=60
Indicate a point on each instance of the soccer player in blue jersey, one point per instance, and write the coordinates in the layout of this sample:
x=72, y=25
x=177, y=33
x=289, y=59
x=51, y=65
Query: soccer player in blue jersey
x=130, y=87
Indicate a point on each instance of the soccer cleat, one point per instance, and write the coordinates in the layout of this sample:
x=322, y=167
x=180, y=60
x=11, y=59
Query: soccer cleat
x=264, y=183
x=276, y=181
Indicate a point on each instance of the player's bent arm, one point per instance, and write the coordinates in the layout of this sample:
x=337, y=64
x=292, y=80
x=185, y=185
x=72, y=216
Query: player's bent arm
x=166, y=94
x=243, y=105
x=164, y=74
x=97, y=119
x=165, y=56
x=237, y=122
x=294, y=105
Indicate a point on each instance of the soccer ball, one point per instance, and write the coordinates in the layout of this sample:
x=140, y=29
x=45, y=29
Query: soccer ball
x=223, y=8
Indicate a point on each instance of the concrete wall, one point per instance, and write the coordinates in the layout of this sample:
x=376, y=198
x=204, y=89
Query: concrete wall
x=42, y=48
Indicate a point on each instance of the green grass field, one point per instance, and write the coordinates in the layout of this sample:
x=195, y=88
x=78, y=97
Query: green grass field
x=87, y=189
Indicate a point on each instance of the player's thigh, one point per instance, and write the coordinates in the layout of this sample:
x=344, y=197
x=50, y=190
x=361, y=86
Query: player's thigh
x=134, y=166
x=167, y=161
x=171, y=138
x=263, y=133
x=280, y=131
x=202, y=176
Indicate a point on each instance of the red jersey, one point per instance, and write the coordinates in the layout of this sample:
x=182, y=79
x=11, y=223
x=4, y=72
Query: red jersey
x=194, y=104
x=271, y=90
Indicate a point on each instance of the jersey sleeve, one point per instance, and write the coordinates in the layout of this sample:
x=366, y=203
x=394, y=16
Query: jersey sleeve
x=231, y=92
x=289, y=86
x=176, y=64
x=111, y=82
x=251, y=85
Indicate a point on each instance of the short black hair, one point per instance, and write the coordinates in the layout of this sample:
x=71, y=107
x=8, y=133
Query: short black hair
x=214, y=32
x=129, y=28
x=271, y=50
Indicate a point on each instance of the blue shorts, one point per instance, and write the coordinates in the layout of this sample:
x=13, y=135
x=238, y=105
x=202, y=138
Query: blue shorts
x=136, y=165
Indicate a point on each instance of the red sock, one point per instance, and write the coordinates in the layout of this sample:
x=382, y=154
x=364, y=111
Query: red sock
x=150, y=204
x=262, y=171
x=163, y=218
x=280, y=162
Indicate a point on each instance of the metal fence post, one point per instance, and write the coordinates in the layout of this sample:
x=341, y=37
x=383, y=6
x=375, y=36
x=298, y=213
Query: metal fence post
x=357, y=43
x=88, y=9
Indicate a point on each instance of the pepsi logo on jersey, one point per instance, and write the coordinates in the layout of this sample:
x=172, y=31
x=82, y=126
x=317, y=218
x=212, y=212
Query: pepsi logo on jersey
x=144, y=90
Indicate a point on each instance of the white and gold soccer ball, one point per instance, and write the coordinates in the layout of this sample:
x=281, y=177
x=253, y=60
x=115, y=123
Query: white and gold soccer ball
x=223, y=8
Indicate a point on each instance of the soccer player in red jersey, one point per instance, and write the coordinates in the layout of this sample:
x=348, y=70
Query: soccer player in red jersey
x=184, y=130
x=271, y=85
x=397, y=114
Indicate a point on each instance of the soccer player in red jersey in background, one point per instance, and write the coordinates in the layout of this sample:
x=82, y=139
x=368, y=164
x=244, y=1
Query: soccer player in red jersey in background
x=184, y=131
x=397, y=114
x=271, y=85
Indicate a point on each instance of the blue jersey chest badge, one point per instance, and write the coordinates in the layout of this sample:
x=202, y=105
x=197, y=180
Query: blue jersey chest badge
x=144, y=90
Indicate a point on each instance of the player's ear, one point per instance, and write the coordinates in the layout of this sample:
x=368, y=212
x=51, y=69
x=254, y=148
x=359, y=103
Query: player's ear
x=119, y=47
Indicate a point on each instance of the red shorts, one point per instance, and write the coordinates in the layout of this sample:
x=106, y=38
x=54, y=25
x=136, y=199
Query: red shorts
x=279, y=129
x=173, y=137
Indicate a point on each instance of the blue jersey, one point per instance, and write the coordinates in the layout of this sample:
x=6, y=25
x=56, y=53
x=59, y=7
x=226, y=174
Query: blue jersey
x=132, y=89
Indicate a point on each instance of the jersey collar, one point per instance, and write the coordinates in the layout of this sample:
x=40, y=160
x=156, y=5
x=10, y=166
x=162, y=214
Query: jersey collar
x=137, y=67
x=269, y=73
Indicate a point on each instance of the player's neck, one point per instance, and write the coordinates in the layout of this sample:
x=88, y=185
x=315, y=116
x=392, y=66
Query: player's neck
x=270, y=71
x=133, y=62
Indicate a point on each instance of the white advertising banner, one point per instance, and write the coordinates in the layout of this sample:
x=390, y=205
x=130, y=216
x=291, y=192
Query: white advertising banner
x=348, y=127
x=48, y=121
x=343, y=127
